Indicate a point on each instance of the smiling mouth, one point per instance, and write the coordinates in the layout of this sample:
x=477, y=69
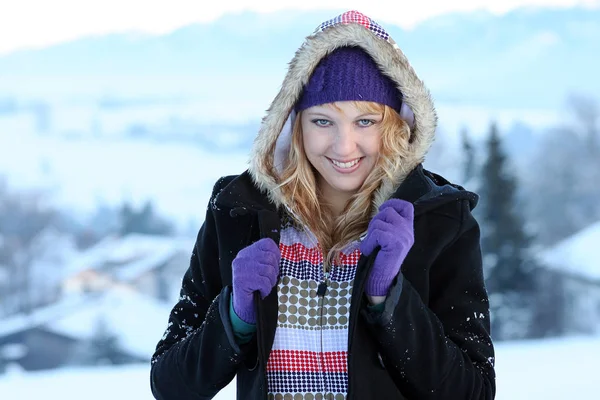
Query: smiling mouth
x=345, y=165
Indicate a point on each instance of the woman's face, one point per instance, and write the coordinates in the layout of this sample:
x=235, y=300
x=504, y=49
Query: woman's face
x=342, y=145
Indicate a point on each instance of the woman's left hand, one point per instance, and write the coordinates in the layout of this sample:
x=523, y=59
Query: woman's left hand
x=392, y=229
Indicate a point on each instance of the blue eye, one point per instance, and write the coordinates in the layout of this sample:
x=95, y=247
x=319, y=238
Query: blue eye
x=321, y=122
x=365, y=122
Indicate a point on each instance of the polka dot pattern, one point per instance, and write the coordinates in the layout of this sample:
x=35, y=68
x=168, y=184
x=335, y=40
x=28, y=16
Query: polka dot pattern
x=308, y=359
x=304, y=308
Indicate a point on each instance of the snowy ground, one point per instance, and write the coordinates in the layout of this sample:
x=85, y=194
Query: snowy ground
x=548, y=370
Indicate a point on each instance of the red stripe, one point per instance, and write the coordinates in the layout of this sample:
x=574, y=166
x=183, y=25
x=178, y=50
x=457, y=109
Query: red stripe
x=350, y=259
x=297, y=252
x=308, y=361
x=356, y=17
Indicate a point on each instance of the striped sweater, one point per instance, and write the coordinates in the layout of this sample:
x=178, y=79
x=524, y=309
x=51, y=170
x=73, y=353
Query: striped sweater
x=308, y=359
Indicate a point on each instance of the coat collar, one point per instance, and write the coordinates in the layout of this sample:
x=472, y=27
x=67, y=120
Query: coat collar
x=426, y=190
x=242, y=194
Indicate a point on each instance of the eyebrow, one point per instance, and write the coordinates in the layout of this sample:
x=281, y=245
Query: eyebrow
x=318, y=114
x=370, y=115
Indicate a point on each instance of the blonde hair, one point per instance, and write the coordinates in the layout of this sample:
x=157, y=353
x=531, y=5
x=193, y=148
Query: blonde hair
x=298, y=184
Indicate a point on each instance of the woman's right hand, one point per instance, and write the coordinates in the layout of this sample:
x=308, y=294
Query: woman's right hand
x=255, y=268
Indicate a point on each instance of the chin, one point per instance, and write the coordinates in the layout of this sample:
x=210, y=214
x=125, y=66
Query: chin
x=350, y=189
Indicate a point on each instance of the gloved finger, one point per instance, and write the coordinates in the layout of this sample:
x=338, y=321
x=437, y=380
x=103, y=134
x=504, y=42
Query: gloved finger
x=407, y=238
x=368, y=244
x=378, y=224
x=391, y=216
x=268, y=245
x=264, y=286
x=402, y=207
x=268, y=271
x=371, y=241
x=388, y=241
x=269, y=258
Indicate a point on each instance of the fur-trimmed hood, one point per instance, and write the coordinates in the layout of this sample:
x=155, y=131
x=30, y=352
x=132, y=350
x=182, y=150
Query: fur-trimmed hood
x=271, y=146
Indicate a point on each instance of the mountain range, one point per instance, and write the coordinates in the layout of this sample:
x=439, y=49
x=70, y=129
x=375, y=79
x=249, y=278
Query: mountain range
x=527, y=58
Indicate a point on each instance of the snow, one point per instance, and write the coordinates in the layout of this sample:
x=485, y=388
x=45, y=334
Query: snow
x=19, y=322
x=137, y=320
x=577, y=255
x=83, y=173
x=134, y=254
x=551, y=370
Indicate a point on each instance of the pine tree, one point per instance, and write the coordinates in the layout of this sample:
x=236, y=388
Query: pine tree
x=104, y=345
x=469, y=156
x=509, y=271
x=146, y=220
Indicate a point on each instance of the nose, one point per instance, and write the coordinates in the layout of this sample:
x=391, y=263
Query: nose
x=345, y=142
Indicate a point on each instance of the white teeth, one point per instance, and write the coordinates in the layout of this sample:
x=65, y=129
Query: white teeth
x=347, y=164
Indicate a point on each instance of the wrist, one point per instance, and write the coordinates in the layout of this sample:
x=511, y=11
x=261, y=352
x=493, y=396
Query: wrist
x=243, y=308
x=376, y=300
x=378, y=287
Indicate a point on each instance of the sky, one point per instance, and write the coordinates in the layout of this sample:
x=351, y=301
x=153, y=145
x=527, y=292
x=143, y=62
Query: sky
x=40, y=23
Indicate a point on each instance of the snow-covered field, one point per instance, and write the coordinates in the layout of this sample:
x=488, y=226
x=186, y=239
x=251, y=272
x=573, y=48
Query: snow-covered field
x=545, y=370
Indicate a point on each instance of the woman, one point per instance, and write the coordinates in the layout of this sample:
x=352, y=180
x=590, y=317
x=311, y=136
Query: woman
x=336, y=266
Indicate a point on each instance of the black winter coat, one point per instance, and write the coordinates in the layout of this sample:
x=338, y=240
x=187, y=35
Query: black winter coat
x=432, y=341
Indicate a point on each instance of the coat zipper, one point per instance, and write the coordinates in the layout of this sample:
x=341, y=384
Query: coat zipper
x=321, y=291
x=259, y=340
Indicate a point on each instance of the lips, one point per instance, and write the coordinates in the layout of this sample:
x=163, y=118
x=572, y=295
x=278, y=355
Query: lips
x=345, y=167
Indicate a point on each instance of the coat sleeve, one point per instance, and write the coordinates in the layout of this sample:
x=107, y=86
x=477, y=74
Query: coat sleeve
x=442, y=350
x=198, y=354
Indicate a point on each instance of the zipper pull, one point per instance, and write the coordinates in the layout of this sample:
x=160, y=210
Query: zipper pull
x=323, y=286
x=322, y=289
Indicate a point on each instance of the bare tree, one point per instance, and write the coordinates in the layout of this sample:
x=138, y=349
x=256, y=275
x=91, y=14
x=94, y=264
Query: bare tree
x=586, y=113
x=563, y=193
x=22, y=217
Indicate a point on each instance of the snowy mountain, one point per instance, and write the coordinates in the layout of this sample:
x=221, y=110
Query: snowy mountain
x=526, y=58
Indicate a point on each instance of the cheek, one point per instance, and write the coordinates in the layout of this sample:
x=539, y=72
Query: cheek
x=372, y=145
x=314, y=145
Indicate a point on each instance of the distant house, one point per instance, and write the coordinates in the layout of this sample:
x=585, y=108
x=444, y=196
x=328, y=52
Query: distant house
x=574, y=264
x=34, y=271
x=151, y=264
x=119, y=326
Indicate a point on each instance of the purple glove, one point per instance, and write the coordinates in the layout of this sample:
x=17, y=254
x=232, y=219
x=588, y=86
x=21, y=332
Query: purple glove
x=256, y=267
x=392, y=229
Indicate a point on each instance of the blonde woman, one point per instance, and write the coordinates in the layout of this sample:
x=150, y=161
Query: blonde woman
x=336, y=267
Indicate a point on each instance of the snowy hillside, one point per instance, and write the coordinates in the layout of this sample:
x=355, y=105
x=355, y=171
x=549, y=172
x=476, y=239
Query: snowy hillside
x=577, y=254
x=81, y=174
x=549, y=370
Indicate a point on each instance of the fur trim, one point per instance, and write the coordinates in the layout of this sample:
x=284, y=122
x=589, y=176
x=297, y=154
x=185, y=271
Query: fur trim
x=269, y=149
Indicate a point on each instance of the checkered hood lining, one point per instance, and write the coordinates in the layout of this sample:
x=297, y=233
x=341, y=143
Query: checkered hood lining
x=354, y=17
x=271, y=146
